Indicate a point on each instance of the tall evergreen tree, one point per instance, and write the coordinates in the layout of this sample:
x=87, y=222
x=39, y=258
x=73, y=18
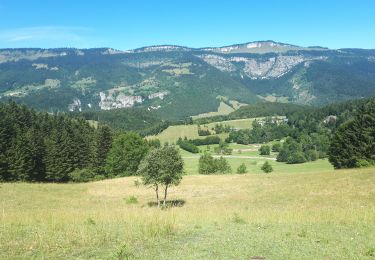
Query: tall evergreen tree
x=353, y=145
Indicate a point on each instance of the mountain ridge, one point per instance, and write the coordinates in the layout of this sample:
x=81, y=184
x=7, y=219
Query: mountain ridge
x=176, y=81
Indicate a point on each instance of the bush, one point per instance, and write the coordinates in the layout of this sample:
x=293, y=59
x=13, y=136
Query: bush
x=210, y=165
x=222, y=165
x=223, y=148
x=276, y=147
x=311, y=155
x=203, y=132
x=207, y=164
x=131, y=200
x=206, y=141
x=264, y=150
x=296, y=157
x=267, y=167
x=187, y=146
x=242, y=169
x=83, y=175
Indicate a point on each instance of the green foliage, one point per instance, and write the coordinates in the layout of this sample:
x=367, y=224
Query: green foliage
x=207, y=164
x=264, y=150
x=162, y=167
x=267, y=167
x=43, y=147
x=220, y=128
x=223, y=148
x=276, y=147
x=187, y=146
x=131, y=200
x=206, y=141
x=210, y=165
x=82, y=175
x=203, y=132
x=270, y=130
x=222, y=165
x=242, y=169
x=125, y=155
x=134, y=119
x=353, y=144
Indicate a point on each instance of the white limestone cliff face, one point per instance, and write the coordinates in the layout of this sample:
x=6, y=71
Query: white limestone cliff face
x=112, y=101
x=76, y=105
x=258, y=68
x=160, y=95
x=218, y=62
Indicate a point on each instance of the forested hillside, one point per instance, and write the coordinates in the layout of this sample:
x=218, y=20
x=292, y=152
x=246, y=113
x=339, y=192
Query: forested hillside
x=177, y=82
x=41, y=147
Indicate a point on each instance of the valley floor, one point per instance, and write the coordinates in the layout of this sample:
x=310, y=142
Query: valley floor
x=303, y=214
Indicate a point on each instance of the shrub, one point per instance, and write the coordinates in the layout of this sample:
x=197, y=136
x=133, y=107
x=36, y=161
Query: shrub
x=242, y=169
x=132, y=200
x=311, y=155
x=264, y=150
x=267, y=167
x=222, y=165
x=223, y=148
x=276, y=147
x=187, y=146
x=206, y=141
x=210, y=165
x=296, y=157
x=203, y=132
x=207, y=164
x=83, y=175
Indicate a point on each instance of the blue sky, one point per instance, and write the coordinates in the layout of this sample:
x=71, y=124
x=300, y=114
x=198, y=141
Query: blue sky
x=131, y=24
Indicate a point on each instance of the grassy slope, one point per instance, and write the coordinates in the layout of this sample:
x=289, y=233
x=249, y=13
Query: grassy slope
x=223, y=109
x=307, y=213
x=172, y=133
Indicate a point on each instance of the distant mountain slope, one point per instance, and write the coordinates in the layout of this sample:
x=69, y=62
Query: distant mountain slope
x=176, y=81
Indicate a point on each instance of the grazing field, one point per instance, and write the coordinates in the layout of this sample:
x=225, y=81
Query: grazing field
x=238, y=124
x=172, y=133
x=307, y=212
x=223, y=109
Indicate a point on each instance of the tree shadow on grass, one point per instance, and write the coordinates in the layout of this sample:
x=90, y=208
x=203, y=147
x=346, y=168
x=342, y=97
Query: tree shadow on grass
x=168, y=203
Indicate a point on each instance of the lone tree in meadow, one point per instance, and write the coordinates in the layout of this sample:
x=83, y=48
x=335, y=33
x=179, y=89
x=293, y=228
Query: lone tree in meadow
x=162, y=168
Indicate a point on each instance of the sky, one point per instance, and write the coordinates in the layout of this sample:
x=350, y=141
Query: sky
x=127, y=25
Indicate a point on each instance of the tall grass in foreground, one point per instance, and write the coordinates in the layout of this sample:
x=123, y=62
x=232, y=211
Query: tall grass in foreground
x=310, y=215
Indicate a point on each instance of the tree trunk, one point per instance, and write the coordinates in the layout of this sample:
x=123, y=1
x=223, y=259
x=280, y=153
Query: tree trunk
x=165, y=194
x=157, y=195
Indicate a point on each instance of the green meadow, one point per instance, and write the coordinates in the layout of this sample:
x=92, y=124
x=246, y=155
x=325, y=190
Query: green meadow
x=300, y=211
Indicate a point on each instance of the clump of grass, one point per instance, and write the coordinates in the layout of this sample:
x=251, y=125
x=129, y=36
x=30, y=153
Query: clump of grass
x=302, y=234
x=237, y=219
x=90, y=221
x=137, y=183
x=123, y=253
x=161, y=228
x=131, y=200
x=370, y=252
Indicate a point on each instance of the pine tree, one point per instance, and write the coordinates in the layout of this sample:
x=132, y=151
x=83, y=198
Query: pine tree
x=103, y=144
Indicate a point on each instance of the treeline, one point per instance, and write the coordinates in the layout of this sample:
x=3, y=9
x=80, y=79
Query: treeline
x=43, y=147
x=136, y=119
x=309, y=132
x=353, y=144
x=191, y=145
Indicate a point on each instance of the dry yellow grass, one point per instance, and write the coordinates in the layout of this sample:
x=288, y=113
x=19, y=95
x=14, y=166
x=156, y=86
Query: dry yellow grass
x=95, y=220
